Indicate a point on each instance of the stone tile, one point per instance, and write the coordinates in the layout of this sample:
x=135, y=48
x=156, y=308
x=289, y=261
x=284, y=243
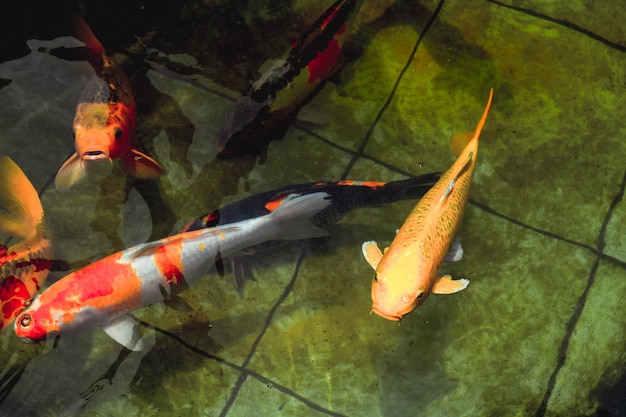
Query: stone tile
x=601, y=19
x=595, y=354
x=259, y=398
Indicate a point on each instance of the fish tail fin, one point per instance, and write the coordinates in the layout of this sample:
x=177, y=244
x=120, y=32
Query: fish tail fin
x=459, y=141
x=293, y=216
x=20, y=208
x=409, y=188
x=94, y=47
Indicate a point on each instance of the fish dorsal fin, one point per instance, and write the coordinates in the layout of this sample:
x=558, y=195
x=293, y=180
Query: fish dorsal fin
x=150, y=248
x=459, y=141
x=450, y=187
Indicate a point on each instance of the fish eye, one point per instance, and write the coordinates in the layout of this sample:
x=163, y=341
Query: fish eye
x=375, y=277
x=118, y=133
x=26, y=321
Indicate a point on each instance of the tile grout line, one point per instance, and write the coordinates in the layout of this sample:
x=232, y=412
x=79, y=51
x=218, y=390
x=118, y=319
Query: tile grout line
x=370, y=130
x=580, y=305
x=564, y=23
x=244, y=372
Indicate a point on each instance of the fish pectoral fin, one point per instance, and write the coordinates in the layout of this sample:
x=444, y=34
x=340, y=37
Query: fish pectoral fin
x=372, y=253
x=447, y=285
x=177, y=303
x=311, y=113
x=123, y=329
x=455, y=253
x=71, y=172
x=140, y=165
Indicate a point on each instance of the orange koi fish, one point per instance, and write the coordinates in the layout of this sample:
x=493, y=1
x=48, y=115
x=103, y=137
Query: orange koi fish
x=25, y=265
x=267, y=110
x=101, y=294
x=104, y=123
x=407, y=272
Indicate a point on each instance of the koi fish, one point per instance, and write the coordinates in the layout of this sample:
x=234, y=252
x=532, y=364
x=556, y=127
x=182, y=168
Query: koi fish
x=25, y=265
x=102, y=293
x=407, y=272
x=104, y=123
x=267, y=110
x=346, y=195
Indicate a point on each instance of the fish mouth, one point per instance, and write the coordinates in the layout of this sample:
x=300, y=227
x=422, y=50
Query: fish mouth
x=94, y=155
x=385, y=315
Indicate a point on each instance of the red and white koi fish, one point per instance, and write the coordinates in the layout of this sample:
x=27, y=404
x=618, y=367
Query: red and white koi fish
x=101, y=294
x=25, y=265
x=104, y=123
x=267, y=110
x=345, y=196
x=407, y=272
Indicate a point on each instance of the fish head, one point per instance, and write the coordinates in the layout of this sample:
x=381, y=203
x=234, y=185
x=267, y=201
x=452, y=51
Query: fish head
x=35, y=324
x=397, y=292
x=102, y=131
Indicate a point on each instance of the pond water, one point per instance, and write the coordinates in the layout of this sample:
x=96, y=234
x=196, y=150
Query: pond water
x=539, y=330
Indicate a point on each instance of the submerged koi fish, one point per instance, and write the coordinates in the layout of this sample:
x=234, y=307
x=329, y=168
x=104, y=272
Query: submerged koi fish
x=101, y=294
x=104, y=123
x=345, y=196
x=25, y=265
x=407, y=272
x=267, y=110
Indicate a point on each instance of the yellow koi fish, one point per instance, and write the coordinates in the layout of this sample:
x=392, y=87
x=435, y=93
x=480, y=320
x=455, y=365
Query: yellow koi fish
x=407, y=272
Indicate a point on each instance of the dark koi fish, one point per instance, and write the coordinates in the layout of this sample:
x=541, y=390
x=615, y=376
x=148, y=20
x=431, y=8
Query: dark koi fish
x=104, y=123
x=346, y=195
x=267, y=110
x=25, y=265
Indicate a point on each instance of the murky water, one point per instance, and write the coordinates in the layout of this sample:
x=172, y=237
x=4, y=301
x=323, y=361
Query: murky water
x=539, y=330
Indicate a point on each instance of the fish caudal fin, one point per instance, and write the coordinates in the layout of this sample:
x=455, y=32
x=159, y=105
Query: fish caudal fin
x=94, y=47
x=459, y=141
x=20, y=208
x=293, y=216
x=140, y=165
x=447, y=285
x=71, y=172
x=372, y=253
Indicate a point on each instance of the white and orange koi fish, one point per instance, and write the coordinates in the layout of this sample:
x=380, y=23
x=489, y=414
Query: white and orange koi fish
x=408, y=270
x=101, y=294
x=104, y=123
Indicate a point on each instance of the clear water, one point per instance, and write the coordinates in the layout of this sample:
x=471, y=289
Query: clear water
x=540, y=329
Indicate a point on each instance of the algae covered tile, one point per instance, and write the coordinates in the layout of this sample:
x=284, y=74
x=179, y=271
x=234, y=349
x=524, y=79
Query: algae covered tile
x=594, y=355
